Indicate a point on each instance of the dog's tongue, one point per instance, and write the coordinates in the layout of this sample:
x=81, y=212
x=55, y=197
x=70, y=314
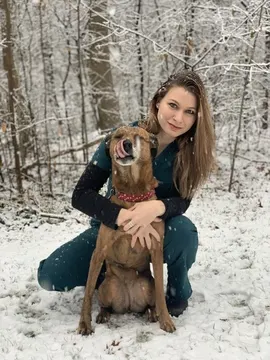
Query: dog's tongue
x=119, y=149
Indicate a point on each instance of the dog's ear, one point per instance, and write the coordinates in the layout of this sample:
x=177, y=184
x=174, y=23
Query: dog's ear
x=153, y=145
x=107, y=141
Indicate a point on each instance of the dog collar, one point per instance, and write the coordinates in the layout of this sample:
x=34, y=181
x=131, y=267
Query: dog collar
x=136, y=198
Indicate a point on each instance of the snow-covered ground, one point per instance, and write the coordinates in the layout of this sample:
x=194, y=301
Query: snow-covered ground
x=229, y=312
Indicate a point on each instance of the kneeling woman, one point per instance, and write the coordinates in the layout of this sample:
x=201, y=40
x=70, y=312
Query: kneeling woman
x=179, y=115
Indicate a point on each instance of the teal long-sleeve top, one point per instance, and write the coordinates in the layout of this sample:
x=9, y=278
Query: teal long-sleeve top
x=87, y=199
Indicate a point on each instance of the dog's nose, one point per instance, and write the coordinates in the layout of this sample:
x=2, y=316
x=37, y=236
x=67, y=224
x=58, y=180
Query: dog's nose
x=127, y=144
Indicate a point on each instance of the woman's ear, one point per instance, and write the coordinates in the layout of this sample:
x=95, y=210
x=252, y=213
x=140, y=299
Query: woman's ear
x=157, y=105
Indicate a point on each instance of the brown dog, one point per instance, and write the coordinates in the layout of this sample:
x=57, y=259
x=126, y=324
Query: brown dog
x=128, y=284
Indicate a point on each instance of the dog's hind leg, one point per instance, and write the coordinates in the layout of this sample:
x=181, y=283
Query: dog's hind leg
x=113, y=294
x=103, y=316
x=142, y=293
x=152, y=314
x=98, y=257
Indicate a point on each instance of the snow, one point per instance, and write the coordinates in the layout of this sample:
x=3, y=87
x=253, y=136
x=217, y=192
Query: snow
x=229, y=312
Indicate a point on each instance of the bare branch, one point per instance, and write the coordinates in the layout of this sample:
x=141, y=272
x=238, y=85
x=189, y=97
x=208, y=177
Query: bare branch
x=63, y=152
x=225, y=38
x=158, y=48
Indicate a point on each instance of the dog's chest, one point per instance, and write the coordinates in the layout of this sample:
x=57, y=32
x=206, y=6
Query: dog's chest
x=123, y=254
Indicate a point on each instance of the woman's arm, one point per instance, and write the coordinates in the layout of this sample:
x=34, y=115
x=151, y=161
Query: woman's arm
x=174, y=206
x=86, y=198
x=85, y=195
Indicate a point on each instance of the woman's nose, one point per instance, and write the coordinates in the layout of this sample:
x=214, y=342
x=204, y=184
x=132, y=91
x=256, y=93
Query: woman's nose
x=178, y=117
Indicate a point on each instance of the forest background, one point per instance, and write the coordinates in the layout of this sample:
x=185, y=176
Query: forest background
x=69, y=72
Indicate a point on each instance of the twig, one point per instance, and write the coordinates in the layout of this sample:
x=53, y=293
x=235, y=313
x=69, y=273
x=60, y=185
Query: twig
x=246, y=82
x=58, y=216
x=226, y=37
x=10, y=189
x=64, y=152
x=245, y=158
x=228, y=66
x=64, y=163
x=137, y=33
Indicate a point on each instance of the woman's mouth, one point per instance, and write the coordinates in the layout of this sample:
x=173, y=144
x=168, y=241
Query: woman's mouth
x=174, y=128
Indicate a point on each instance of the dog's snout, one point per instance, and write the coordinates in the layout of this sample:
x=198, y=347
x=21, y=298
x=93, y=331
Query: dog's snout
x=127, y=144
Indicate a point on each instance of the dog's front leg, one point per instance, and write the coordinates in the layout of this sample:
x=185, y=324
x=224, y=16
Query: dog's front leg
x=85, y=327
x=165, y=320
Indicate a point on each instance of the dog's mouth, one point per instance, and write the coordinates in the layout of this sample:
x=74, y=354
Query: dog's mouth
x=125, y=153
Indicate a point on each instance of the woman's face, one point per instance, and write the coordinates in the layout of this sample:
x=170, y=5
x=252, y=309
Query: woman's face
x=177, y=112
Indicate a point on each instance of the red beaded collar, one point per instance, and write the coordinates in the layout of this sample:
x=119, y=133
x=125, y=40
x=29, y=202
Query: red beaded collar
x=135, y=198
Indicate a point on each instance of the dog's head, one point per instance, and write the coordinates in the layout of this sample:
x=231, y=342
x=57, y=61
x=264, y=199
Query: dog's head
x=128, y=145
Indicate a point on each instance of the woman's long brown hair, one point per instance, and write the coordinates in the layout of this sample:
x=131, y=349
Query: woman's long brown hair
x=195, y=159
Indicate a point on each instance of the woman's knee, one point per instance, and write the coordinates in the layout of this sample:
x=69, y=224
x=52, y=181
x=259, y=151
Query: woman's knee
x=68, y=265
x=179, y=223
x=181, y=238
x=44, y=280
x=50, y=278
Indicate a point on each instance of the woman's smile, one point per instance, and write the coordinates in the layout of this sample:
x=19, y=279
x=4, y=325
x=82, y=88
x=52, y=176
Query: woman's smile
x=173, y=127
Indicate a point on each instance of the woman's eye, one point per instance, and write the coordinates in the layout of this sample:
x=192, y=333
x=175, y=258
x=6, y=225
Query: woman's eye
x=173, y=105
x=191, y=112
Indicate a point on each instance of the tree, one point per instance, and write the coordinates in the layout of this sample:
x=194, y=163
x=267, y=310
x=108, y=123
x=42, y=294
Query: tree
x=265, y=116
x=9, y=67
x=100, y=71
x=89, y=65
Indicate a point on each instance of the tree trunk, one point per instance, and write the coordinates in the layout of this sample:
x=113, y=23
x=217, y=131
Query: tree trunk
x=189, y=33
x=246, y=111
x=140, y=58
x=21, y=111
x=28, y=137
x=44, y=55
x=243, y=99
x=67, y=25
x=8, y=62
x=100, y=71
x=84, y=134
x=163, y=35
x=267, y=78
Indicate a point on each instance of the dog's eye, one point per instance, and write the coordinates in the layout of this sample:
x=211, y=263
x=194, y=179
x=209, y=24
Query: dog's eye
x=117, y=137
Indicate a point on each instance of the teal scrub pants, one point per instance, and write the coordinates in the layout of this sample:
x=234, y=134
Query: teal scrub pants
x=67, y=267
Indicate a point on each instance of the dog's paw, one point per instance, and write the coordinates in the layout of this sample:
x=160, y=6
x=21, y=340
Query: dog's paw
x=85, y=329
x=103, y=316
x=167, y=325
x=152, y=315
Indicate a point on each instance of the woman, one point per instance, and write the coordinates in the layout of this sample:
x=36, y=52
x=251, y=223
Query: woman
x=179, y=115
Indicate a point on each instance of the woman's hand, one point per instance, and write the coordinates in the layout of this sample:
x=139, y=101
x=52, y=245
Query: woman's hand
x=144, y=236
x=122, y=217
x=140, y=215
